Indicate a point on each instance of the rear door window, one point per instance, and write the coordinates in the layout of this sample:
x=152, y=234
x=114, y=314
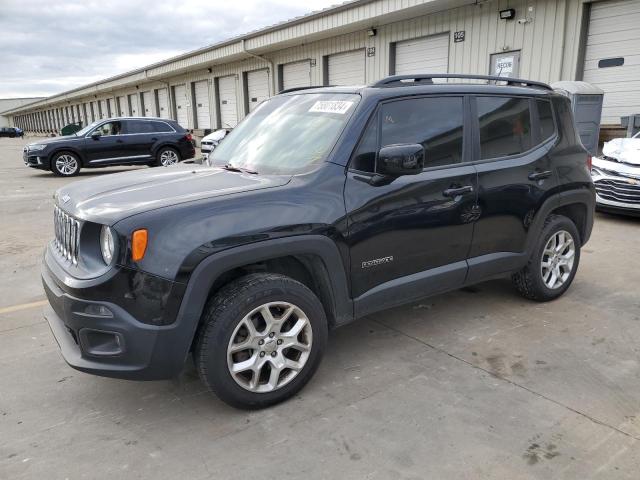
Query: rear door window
x=139, y=126
x=505, y=126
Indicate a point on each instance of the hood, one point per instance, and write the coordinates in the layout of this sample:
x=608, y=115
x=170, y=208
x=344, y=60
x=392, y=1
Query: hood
x=625, y=150
x=48, y=140
x=111, y=198
x=215, y=136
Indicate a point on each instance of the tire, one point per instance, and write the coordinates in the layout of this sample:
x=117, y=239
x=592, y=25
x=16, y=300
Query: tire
x=225, y=321
x=535, y=280
x=65, y=164
x=166, y=157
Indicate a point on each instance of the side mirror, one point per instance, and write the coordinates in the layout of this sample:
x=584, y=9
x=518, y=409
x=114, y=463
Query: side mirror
x=96, y=135
x=398, y=160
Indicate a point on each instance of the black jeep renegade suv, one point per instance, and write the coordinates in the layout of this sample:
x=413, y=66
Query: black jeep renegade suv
x=115, y=141
x=328, y=204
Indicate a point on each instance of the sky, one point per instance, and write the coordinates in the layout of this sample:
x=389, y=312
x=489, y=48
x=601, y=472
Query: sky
x=50, y=46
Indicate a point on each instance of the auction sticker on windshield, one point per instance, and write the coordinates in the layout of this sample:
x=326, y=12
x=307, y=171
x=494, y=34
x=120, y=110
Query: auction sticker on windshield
x=331, y=106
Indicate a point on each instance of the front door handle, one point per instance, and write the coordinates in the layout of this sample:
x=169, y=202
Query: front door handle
x=535, y=176
x=457, y=191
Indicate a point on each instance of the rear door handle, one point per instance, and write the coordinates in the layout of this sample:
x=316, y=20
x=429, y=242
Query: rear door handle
x=534, y=176
x=457, y=191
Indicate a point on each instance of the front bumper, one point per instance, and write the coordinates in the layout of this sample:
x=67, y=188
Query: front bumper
x=111, y=342
x=35, y=159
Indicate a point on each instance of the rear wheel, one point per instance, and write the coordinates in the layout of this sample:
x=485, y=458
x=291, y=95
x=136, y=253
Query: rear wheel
x=65, y=164
x=167, y=156
x=262, y=339
x=554, y=262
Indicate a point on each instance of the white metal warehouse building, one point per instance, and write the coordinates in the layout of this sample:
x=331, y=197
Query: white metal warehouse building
x=361, y=41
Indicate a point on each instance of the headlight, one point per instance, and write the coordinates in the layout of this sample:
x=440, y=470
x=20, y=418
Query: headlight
x=36, y=147
x=107, y=245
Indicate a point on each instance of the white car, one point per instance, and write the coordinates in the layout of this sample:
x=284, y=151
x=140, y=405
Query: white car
x=211, y=141
x=616, y=175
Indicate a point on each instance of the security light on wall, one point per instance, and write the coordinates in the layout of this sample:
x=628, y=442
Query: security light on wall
x=372, y=32
x=508, y=14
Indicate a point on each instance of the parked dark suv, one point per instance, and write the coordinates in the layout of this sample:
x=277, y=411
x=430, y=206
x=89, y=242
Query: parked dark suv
x=329, y=204
x=115, y=141
x=11, y=132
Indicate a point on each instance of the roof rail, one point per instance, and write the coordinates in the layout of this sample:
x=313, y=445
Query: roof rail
x=294, y=89
x=420, y=78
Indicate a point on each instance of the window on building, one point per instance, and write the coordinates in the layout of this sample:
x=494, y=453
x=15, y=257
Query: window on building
x=545, y=116
x=505, y=126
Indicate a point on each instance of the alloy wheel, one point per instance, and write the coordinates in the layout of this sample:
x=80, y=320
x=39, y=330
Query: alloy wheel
x=269, y=347
x=168, y=157
x=558, y=258
x=66, y=164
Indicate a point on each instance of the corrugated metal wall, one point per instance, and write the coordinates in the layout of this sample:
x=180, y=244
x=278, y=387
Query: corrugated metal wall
x=548, y=40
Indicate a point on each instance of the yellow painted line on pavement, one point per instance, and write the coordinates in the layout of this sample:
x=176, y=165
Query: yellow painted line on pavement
x=23, y=306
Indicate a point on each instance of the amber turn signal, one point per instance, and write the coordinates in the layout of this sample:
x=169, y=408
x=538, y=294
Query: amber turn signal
x=139, y=244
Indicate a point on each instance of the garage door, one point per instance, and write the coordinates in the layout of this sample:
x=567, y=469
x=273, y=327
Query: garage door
x=95, y=114
x=147, y=100
x=257, y=87
x=203, y=115
x=296, y=74
x=134, y=108
x=110, y=110
x=228, y=102
x=423, y=55
x=103, y=109
x=163, y=103
x=180, y=101
x=612, y=57
x=122, y=106
x=346, y=68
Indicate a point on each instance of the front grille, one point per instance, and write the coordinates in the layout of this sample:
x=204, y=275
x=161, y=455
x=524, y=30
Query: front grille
x=618, y=191
x=67, y=230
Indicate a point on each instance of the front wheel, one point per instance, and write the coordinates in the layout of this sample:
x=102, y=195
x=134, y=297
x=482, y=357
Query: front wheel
x=261, y=340
x=65, y=164
x=554, y=262
x=166, y=157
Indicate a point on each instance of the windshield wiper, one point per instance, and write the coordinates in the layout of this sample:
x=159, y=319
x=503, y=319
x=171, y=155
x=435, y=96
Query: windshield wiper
x=233, y=168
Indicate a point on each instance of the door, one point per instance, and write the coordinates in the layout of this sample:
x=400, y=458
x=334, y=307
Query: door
x=201, y=94
x=515, y=176
x=139, y=139
x=134, y=107
x=147, y=102
x=297, y=74
x=422, y=55
x=612, y=60
x=228, y=101
x=163, y=103
x=346, y=68
x=122, y=106
x=180, y=102
x=108, y=146
x=410, y=236
x=257, y=88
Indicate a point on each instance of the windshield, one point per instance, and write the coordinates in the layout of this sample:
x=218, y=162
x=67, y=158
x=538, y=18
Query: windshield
x=287, y=134
x=86, y=129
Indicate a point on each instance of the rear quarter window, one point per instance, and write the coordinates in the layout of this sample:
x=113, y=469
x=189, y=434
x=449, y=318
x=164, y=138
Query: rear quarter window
x=161, y=127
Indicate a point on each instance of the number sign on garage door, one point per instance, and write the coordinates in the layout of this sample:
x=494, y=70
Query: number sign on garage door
x=228, y=101
x=346, y=68
x=148, y=108
x=201, y=93
x=163, y=103
x=180, y=101
x=423, y=55
x=612, y=57
x=257, y=88
x=297, y=74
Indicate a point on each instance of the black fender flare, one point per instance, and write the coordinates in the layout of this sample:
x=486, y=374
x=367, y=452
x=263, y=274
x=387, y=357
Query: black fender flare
x=210, y=268
x=583, y=196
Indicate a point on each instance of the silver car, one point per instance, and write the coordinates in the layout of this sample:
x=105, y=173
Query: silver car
x=616, y=175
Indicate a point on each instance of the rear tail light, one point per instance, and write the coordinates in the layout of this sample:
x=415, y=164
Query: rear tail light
x=189, y=137
x=589, y=162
